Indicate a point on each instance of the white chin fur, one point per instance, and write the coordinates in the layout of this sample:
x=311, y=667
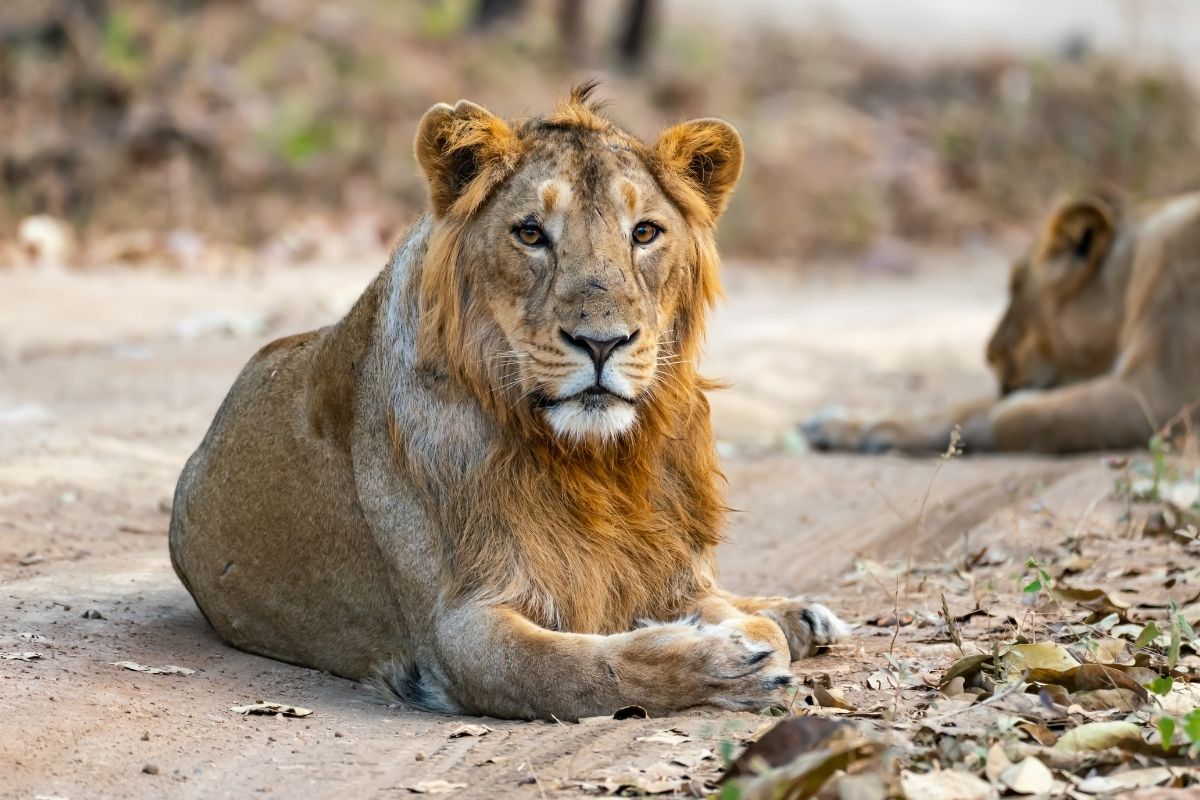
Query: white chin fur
x=572, y=420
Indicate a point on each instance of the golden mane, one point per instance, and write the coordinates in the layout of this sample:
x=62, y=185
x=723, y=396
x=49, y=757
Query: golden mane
x=650, y=497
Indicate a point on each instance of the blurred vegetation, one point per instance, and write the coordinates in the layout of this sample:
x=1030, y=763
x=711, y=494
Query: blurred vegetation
x=240, y=121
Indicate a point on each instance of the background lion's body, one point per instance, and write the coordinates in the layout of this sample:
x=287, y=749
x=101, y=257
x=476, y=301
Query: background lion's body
x=1099, y=346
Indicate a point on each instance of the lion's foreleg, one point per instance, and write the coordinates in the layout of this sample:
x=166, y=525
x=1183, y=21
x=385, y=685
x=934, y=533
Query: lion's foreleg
x=1107, y=412
x=494, y=661
x=928, y=434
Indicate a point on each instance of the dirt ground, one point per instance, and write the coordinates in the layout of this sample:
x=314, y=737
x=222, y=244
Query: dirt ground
x=108, y=381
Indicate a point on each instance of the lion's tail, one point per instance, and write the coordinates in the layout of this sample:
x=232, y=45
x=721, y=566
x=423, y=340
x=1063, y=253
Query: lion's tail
x=401, y=681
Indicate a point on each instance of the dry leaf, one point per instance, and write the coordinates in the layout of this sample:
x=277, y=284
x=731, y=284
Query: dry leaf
x=1088, y=677
x=1097, y=600
x=438, y=786
x=963, y=668
x=469, y=730
x=671, y=736
x=1028, y=776
x=997, y=762
x=831, y=698
x=945, y=785
x=1096, y=736
x=28, y=655
x=1106, y=699
x=1129, y=779
x=788, y=740
x=169, y=669
x=880, y=680
x=1043, y=655
x=807, y=752
x=691, y=761
x=1039, y=733
x=269, y=708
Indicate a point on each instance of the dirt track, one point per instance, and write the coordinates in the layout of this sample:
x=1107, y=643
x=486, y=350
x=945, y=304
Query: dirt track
x=111, y=380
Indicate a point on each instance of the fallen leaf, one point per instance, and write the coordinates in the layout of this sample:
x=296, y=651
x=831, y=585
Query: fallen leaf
x=831, y=698
x=692, y=760
x=786, y=741
x=1095, y=736
x=945, y=785
x=438, y=786
x=963, y=668
x=1129, y=779
x=997, y=762
x=670, y=736
x=1043, y=655
x=268, y=708
x=1088, y=677
x=1039, y=733
x=469, y=730
x=28, y=655
x=169, y=669
x=807, y=752
x=1096, y=600
x=1028, y=776
x=1105, y=699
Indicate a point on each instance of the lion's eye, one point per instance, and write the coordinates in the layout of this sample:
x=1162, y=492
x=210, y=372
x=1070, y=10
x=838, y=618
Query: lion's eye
x=645, y=232
x=531, y=235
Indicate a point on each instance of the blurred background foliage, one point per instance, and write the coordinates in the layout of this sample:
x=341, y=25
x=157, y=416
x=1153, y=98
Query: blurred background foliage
x=159, y=125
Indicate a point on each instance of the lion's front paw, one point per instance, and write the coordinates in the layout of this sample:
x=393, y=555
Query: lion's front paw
x=745, y=662
x=807, y=626
x=831, y=430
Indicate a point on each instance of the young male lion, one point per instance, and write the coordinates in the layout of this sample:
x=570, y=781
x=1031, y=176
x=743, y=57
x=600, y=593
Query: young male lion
x=492, y=486
x=1099, y=346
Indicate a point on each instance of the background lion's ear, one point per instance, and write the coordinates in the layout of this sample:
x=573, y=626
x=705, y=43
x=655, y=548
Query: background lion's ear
x=707, y=154
x=464, y=151
x=1076, y=241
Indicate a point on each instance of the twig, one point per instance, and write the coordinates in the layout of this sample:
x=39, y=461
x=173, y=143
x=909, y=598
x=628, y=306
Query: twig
x=951, y=627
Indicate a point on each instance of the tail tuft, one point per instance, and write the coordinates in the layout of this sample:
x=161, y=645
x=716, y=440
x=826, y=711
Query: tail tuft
x=402, y=682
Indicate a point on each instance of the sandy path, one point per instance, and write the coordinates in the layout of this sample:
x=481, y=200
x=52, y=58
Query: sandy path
x=96, y=419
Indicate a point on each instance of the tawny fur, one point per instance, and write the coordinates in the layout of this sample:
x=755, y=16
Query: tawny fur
x=1099, y=346
x=386, y=500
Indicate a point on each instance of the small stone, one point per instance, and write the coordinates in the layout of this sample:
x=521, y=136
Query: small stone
x=420, y=756
x=92, y=613
x=337, y=734
x=146, y=736
x=150, y=769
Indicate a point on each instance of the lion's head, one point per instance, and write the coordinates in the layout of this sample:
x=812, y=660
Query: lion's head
x=1063, y=319
x=571, y=266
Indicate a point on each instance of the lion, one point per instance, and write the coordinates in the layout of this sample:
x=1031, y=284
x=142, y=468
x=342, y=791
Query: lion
x=1098, y=349
x=492, y=487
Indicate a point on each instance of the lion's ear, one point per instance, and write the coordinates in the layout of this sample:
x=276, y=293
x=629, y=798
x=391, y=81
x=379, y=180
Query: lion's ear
x=464, y=151
x=1076, y=241
x=707, y=154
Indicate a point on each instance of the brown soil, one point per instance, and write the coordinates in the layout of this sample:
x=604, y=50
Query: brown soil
x=111, y=380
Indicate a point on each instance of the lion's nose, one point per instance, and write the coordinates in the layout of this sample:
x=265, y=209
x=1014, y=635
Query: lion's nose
x=598, y=349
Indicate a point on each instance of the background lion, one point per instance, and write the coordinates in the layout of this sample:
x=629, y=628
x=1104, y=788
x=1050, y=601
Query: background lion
x=1098, y=348
x=493, y=482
